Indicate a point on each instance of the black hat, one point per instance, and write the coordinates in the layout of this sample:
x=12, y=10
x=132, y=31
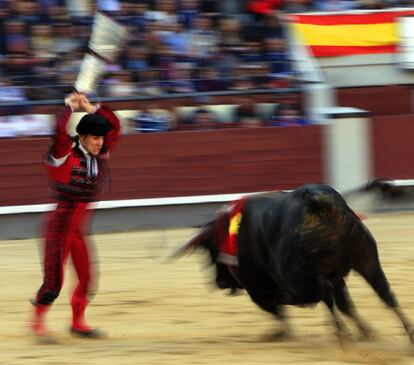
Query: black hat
x=93, y=124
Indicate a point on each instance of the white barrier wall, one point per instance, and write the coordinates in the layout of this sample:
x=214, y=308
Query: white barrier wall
x=348, y=151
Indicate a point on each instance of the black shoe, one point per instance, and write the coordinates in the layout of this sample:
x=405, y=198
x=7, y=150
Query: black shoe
x=92, y=333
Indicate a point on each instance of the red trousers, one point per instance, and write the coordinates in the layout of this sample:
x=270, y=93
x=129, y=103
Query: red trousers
x=64, y=235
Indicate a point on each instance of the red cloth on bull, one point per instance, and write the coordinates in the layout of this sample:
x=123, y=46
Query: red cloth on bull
x=228, y=247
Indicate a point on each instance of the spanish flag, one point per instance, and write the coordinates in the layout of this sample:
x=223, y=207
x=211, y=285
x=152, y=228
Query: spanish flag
x=349, y=34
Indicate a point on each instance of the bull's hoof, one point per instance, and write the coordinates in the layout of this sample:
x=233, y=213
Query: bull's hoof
x=367, y=333
x=277, y=336
x=344, y=337
x=235, y=292
x=368, y=337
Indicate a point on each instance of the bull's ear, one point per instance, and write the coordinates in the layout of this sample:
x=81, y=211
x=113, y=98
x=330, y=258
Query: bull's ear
x=194, y=242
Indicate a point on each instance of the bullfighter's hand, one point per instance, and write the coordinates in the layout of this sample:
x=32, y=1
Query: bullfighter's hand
x=85, y=105
x=73, y=100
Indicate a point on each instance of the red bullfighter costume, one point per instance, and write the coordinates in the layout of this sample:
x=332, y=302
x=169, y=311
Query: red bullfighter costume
x=75, y=177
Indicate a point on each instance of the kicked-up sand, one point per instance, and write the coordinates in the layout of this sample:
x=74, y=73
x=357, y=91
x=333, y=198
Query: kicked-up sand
x=169, y=313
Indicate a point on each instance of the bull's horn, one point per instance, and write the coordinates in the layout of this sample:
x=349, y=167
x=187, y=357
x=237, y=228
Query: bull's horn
x=191, y=244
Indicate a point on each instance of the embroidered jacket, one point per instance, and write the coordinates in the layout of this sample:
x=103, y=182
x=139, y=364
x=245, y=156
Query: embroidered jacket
x=73, y=173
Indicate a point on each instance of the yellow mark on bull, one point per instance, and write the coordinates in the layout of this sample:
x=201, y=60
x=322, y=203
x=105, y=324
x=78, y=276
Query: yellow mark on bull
x=235, y=223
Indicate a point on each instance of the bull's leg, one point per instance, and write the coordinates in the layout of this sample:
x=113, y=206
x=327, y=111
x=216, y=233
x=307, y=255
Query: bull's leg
x=282, y=333
x=269, y=304
x=327, y=295
x=374, y=275
x=345, y=305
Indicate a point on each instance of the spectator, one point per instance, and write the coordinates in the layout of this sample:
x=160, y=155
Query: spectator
x=288, y=114
x=229, y=29
x=41, y=40
x=261, y=76
x=203, y=38
x=45, y=4
x=44, y=87
x=25, y=11
x=19, y=64
x=163, y=60
x=57, y=14
x=176, y=40
x=65, y=82
x=246, y=116
x=136, y=20
x=252, y=52
x=334, y=5
x=181, y=79
x=65, y=40
x=83, y=34
x=137, y=59
x=241, y=78
x=209, y=80
x=120, y=84
x=235, y=7
x=224, y=61
x=373, y=4
x=4, y=16
x=272, y=27
x=149, y=82
x=297, y=6
x=84, y=17
x=153, y=121
x=275, y=55
x=15, y=38
x=211, y=8
x=7, y=127
x=109, y=6
x=203, y=118
x=70, y=62
x=405, y=3
x=188, y=13
x=165, y=12
x=10, y=92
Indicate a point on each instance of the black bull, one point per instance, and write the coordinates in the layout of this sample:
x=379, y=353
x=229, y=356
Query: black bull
x=296, y=248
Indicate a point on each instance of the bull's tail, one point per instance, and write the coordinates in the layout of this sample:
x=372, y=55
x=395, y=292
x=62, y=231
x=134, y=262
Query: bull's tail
x=190, y=245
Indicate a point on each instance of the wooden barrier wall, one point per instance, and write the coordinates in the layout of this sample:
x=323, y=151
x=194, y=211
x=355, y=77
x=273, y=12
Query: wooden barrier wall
x=393, y=150
x=179, y=163
x=379, y=100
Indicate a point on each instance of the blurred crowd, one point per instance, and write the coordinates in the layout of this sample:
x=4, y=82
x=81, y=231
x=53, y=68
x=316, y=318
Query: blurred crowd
x=175, y=46
x=287, y=112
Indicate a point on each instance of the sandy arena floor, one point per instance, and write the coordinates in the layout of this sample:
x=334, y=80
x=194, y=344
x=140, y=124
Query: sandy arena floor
x=157, y=313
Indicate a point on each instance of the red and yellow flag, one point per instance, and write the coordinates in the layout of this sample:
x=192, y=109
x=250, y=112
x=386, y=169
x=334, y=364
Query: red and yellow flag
x=349, y=34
